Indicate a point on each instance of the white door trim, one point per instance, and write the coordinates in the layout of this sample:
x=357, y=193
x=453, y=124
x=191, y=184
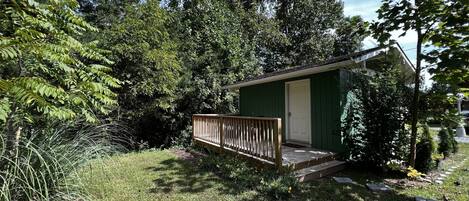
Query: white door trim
x=287, y=104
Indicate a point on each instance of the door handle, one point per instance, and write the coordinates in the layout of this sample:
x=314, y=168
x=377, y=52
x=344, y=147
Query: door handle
x=289, y=113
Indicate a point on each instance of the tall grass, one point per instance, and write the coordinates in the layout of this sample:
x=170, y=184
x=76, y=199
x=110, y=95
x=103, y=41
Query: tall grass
x=45, y=165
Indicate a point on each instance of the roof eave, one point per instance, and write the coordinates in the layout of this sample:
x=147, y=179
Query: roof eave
x=406, y=59
x=293, y=74
x=326, y=67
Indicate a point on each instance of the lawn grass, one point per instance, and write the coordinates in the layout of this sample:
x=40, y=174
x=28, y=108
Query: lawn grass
x=160, y=175
x=449, y=189
x=155, y=175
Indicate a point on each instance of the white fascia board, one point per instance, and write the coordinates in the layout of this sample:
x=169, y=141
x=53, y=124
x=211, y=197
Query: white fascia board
x=406, y=59
x=370, y=55
x=328, y=67
x=298, y=73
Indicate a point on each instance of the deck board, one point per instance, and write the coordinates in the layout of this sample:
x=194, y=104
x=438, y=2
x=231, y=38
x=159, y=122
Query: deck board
x=292, y=155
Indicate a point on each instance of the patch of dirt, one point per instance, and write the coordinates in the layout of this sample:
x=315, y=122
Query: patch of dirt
x=404, y=183
x=186, y=155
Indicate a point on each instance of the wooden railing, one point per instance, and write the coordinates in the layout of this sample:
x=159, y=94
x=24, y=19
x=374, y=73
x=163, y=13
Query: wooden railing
x=258, y=137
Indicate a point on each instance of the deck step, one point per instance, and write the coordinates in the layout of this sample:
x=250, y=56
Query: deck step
x=312, y=162
x=318, y=171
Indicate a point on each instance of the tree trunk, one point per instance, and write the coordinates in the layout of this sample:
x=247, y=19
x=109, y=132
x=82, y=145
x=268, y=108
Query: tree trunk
x=12, y=137
x=415, y=100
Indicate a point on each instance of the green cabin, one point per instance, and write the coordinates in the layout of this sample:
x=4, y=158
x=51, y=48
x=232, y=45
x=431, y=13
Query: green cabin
x=309, y=99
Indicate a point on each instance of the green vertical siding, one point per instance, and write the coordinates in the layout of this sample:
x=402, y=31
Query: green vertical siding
x=268, y=100
x=264, y=100
x=325, y=111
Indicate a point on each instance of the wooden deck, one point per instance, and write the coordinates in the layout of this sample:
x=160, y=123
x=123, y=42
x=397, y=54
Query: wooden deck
x=254, y=138
x=299, y=158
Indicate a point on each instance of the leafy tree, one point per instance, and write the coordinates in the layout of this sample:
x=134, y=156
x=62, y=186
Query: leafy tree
x=170, y=74
x=217, y=48
x=46, y=71
x=264, y=31
x=307, y=25
x=310, y=31
x=145, y=55
x=373, y=120
x=217, y=43
x=451, y=39
x=349, y=35
x=104, y=13
x=405, y=15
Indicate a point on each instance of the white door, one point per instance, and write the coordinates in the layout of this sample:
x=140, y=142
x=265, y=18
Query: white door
x=298, y=111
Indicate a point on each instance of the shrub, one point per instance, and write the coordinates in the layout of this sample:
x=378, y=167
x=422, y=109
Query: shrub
x=450, y=120
x=45, y=164
x=452, y=140
x=277, y=185
x=353, y=128
x=373, y=119
x=445, y=146
x=413, y=173
x=425, y=148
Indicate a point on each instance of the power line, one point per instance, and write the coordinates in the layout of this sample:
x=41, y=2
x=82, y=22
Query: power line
x=410, y=49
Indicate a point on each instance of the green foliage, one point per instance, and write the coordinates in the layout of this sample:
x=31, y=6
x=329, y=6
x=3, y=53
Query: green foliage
x=45, y=69
x=439, y=24
x=451, y=118
x=4, y=109
x=353, y=126
x=217, y=48
x=174, y=57
x=447, y=145
x=174, y=60
x=350, y=33
x=453, y=142
x=268, y=182
x=145, y=58
x=306, y=26
x=452, y=43
x=146, y=61
x=404, y=16
x=374, y=117
x=46, y=164
x=425, y=149
x=437, y=103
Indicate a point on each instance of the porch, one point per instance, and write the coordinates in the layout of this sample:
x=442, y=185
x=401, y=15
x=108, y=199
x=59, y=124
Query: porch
x=258, y=139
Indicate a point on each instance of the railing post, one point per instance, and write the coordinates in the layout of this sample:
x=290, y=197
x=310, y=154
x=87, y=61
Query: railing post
x=193, y=128
x=278, y=143
x=222, y=133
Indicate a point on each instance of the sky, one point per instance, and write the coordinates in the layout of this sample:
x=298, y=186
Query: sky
x=367, y=10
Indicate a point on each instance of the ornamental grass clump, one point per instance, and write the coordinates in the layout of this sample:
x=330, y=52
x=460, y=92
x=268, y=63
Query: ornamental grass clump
x=46, y=161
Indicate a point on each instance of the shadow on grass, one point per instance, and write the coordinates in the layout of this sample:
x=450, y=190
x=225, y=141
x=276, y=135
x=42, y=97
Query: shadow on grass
x=327, y=189
x=182, y=176
x=178, y=175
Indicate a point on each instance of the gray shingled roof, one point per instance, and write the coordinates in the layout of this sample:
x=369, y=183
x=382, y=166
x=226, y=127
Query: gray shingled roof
x=323, y=63
x=306, y=66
